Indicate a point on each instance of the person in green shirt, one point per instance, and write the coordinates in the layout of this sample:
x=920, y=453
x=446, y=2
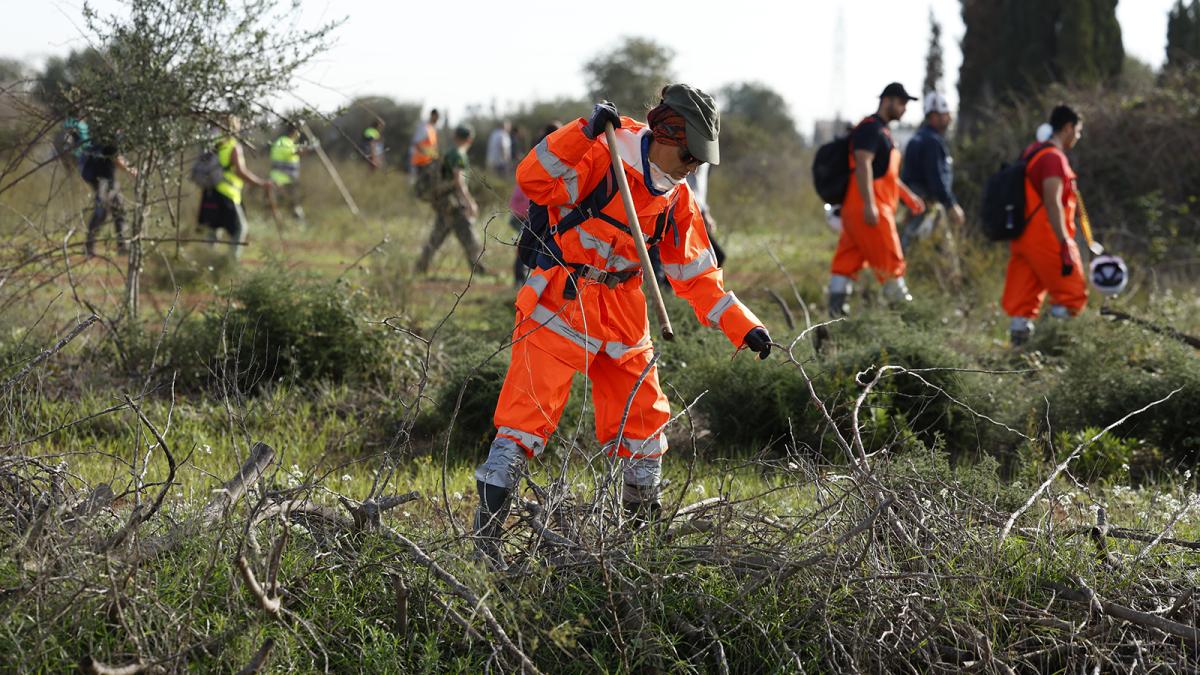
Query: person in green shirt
x=285, y=168
x=454, y=208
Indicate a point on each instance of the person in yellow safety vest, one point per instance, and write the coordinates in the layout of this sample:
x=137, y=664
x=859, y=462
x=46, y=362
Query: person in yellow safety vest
x=373, y=145
x=221, y=205
x=285, y=168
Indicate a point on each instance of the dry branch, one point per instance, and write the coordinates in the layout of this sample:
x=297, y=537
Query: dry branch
x=269, y=603
x=1146, y=620
x=1066, y=462
x=66, y=339
x=259, y=660
x=468, y=596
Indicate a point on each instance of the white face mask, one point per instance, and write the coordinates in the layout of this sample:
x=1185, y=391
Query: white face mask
x=661, y=180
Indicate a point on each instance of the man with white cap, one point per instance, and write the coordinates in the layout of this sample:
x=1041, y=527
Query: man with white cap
x=929, y=171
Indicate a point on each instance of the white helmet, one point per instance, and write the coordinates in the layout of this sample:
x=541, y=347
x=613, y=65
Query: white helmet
x=1109, y=274
x=833, y=217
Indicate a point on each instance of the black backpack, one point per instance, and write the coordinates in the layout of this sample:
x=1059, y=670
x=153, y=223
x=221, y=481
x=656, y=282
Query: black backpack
x=831, y=170
x=536, y=246
x=1003, y=214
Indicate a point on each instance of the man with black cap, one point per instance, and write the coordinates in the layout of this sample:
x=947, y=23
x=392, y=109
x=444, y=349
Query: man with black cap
x=869, y=236
x=582, y=308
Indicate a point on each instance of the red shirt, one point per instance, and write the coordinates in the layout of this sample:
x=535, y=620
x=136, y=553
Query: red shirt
x=1050, y=163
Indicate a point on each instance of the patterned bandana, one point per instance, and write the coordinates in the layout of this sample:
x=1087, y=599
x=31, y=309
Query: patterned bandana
x=668, y=126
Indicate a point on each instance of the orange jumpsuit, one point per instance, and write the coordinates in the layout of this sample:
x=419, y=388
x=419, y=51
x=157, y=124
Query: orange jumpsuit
x=603, y=332
x=877, y=246
x=1034, y=266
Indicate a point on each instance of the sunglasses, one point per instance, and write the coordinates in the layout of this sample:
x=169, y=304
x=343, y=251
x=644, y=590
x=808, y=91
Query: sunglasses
x=687, y=157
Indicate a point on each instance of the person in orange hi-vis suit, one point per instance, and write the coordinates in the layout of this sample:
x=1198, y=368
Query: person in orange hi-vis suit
x=869, y=236
x=424, y=147
x=582, y=309
x=1045, y=259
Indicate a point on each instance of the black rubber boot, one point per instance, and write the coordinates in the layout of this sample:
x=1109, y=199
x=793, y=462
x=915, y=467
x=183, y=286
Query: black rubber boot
x=837, y=305
x=494, y=505
x=641, y=514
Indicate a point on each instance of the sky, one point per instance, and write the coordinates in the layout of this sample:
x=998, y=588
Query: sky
x=452, y=55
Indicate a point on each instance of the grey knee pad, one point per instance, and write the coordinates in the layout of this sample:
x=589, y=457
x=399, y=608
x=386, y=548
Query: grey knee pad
x=504, y=464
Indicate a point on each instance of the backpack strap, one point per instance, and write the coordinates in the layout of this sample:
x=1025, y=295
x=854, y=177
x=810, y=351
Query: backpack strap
x=664, y=221
x=1029, y=160
x=591, y=207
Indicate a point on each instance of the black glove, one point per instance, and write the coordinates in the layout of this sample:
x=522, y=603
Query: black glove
x=757, y=340
x=605, y=111
x=1064, y=255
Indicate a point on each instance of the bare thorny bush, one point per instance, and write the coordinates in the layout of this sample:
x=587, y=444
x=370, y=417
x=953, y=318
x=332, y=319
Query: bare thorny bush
x=879, y=565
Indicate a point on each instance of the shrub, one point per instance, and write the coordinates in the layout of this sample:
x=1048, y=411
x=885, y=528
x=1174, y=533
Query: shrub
x=275, y=327
x=1105, y=371
x=772, y=401
x=1108, y=457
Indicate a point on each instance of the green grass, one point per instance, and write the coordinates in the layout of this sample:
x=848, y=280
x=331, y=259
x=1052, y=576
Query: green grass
x=754, y=433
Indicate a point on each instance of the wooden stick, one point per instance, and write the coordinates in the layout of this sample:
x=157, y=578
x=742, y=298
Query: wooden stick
x=337, y=179
x=1189, y=340
x=639, y=241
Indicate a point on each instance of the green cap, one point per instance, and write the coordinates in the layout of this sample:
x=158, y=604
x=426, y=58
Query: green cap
x=703, y=122
x=371, y=133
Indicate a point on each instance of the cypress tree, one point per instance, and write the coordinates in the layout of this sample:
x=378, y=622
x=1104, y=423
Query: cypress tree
x=933, y=58
x=1183, y=34
x=1016, y=47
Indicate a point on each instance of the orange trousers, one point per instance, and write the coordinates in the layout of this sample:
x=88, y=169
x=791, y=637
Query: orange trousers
x=538, y=384
x=861, y=245
x=1035, y=270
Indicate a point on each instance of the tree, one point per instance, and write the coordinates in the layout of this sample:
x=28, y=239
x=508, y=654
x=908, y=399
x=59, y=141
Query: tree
x=55, y=82
x=11, y=70
x=1016, y=48
x=1183, y=35
x=759, y=106
x=170, y=69
x=933, y=58
x=631, y=75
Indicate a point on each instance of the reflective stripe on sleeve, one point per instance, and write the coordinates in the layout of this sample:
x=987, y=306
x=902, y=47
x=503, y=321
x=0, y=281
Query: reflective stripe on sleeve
x=719, y=309
x=538, y=283
x=703, y=263
x=557, y=325
x=558, y=169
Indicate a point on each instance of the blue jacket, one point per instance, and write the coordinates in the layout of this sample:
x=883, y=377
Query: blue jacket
x=928, y=168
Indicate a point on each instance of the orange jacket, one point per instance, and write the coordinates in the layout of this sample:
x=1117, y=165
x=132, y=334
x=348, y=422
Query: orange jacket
x=565, y=167
x=425, y=145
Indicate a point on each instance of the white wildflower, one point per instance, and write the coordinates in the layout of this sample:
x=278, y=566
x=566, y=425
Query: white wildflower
x=346, y=477
x=698, y=489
